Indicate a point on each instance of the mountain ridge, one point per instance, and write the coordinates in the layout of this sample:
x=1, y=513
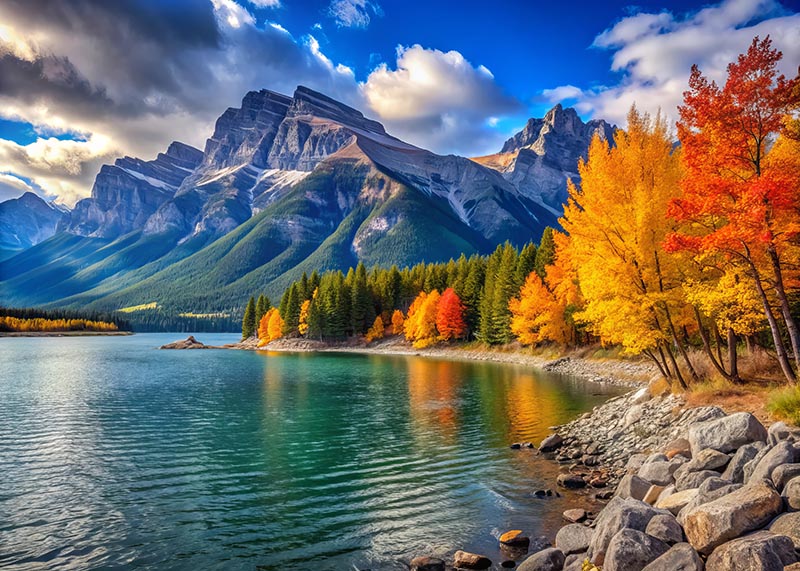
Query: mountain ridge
x=284, y=184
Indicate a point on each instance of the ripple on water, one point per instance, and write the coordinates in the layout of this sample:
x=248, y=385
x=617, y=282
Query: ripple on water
x=116, y=455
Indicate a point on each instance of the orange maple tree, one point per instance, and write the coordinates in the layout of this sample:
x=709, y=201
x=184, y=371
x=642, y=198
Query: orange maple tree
x=733, y=201
x=450, y=316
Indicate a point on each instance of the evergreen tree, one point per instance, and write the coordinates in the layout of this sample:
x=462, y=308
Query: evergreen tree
x=504, y=289
x=302, y=289
x=525, y=263
x=545, y=253
x=486, y=325
x=361, y=303
x=249, y=320
x=263, y=305
x=471, y=293
x=291, y=319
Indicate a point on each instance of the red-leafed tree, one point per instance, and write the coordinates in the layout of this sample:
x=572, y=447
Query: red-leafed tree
x=735, y=208
x=450, y=316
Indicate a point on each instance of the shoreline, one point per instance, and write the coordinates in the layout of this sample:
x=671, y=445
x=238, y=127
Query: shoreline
x=65, y=333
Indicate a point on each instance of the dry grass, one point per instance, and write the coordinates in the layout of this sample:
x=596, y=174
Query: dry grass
x=749, y=397
x=784, y=404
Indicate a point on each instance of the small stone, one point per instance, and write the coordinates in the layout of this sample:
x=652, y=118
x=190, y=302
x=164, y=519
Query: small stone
x=651, y=497
x=570, y=481
x=515, y=538
x=552, y=442
x=426, y=563
x=760, y=551
x=679, y=446
x=467, y=560
x=575, y=515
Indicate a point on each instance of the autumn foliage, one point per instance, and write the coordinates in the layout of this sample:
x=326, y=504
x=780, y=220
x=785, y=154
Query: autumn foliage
x=450, y=316
x=8, y=323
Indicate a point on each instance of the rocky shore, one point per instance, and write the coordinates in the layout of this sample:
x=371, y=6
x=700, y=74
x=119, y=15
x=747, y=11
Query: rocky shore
x=689, y=489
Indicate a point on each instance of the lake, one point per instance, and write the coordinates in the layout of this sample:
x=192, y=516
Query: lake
x=115, y=455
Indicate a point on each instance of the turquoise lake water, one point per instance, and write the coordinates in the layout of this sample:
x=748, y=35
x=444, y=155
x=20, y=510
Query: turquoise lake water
x=116, y=455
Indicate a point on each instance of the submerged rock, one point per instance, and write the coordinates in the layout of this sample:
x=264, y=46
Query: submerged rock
x=189, y=343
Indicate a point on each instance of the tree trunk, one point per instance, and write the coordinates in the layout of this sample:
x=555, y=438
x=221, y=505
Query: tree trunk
x=780, y=349
x=732, y=357
x=657, y=362
x=677, y=342
x=718, y=341
x=780, y=291
x=677, y=369
x=707, y=345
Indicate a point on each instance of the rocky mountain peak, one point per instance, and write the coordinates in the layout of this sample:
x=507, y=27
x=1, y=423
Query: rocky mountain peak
x=309, y=102
x=26, y=221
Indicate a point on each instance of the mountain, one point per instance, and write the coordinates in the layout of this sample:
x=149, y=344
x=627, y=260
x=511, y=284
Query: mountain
x=283, y=185
x=26, y=221
x=544, y=155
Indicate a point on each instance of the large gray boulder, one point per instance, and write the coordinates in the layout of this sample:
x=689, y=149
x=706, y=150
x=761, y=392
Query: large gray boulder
x=632, y=486
x=676, y=502
x=630, y=550
x=726, y=434
x=707, y=459
x=783, y=473
x=735, y=470
x=551, y=559
x=689, y=480
x=665, y=528
x=782, y=453
x=658, y=472
x=710, y=490
x=574, y=538
x=680, y=557
x=618, y=514
x=749, y=508
x=760, y=551
x=791, y=494
x=787, y=524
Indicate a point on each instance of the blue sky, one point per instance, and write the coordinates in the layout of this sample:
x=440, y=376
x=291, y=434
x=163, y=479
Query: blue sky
x=85, y=81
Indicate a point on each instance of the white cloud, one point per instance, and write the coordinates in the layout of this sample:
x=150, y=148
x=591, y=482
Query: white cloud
x=654, y=54
x=131, y=91
x=266, y=3
x=13, y=187
x=60, y=168
x=353, y=13
x=438, y=99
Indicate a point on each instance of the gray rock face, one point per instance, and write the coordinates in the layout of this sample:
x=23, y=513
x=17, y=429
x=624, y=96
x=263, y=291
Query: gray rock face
x=791, y=494
x=26, y=221
x=658, y=472
x=726, y=434
x=665, y=528
x=680, y=557
x=761, y=551
x=689, y=480
x=574, y=538
x=782, y=453
x=735, y=470
x=787, y=524
x=632, y=486
x=749, y=508
x=544, y=155
x=782, y=474
x=631, y=550
x=128, y=192
x=618, y=514
x=708, y=459
x=547, y=560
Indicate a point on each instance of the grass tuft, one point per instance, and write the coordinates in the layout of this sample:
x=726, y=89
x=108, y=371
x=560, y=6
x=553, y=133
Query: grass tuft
x=784, y=404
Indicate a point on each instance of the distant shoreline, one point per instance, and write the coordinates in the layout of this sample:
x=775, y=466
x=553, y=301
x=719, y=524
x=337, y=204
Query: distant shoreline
x=63, y=333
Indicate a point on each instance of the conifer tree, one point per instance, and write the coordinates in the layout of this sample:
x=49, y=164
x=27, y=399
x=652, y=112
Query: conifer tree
x=545, y=253
x=361, y=302
x=262, y=306
x=249, y=320
x=504, y=289
x=525, y=264
x=291, y=317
